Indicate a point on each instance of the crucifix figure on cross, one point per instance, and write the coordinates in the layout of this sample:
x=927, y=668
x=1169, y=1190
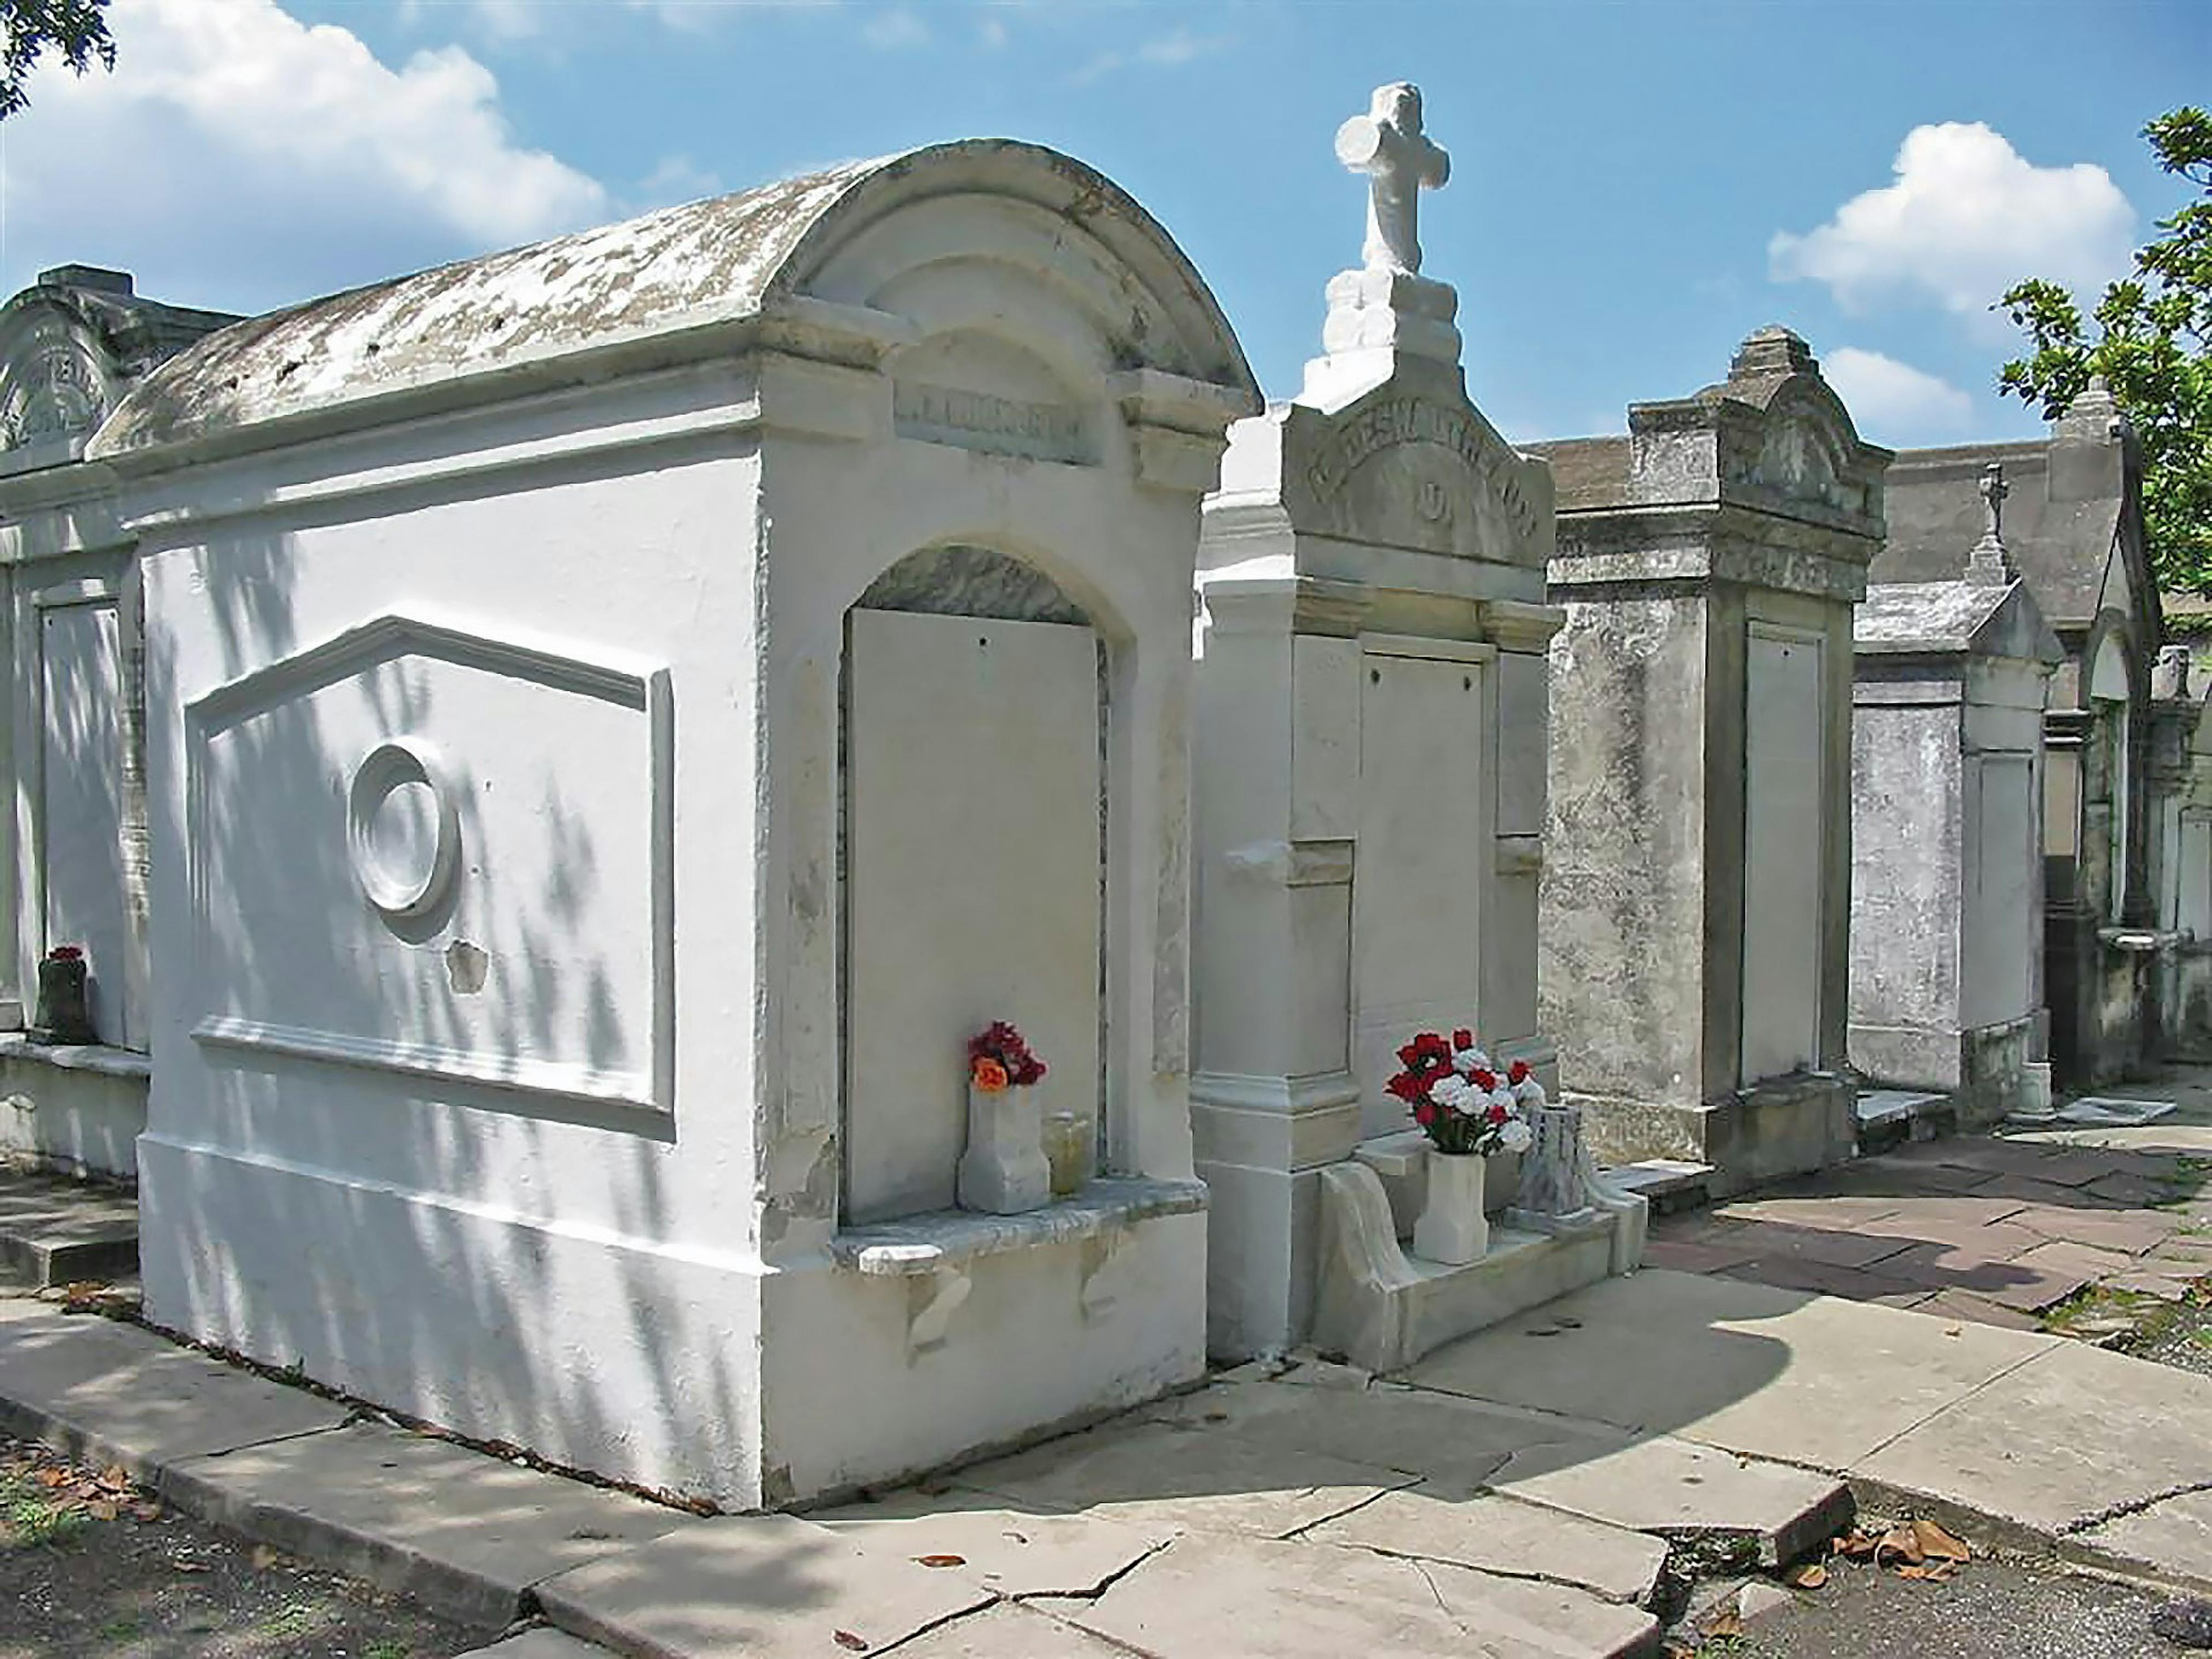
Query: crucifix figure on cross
x=1400, y=160
x=1993, y=489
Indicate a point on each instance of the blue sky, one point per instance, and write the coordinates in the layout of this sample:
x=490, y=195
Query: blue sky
x=1635, y=186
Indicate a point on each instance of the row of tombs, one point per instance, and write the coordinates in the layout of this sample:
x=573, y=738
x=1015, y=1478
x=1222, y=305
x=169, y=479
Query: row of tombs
x=536, y=780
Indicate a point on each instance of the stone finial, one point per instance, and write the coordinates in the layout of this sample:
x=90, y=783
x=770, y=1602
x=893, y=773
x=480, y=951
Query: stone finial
x=1988, y=564
x=1770, y=352
x=2094, y=412
x=1400, y=160
x=96, y=278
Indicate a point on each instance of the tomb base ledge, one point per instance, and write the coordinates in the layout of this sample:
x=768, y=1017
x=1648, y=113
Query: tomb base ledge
x=1783, y=1126
x=76, y=1110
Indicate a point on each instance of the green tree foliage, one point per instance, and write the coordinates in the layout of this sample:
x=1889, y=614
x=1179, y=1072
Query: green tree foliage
x=30, y=29
x=2147, y=337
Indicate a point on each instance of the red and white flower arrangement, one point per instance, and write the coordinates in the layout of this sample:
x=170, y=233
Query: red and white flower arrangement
x=999, y=1059
x=1456, y=1095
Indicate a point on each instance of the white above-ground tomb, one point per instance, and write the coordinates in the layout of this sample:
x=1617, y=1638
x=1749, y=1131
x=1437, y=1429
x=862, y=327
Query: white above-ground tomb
x=626, y=711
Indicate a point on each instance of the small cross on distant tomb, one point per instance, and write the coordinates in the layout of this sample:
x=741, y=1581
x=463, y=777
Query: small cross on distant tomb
x=1400, y=160
x=1988, y=562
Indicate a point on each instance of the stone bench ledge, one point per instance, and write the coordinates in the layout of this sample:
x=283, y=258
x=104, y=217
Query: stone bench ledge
x=950, y=1238
x=77, y=1057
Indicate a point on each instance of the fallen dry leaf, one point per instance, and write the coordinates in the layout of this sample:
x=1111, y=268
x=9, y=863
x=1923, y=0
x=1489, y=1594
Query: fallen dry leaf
x=1939, y=1545
x=855, y=1643
x=264, y=1558
x=942, y=1560
x=116, y=1476
x=1811, y=1576
x=101, y=1509
x=1901, y=1542
x=146, y=1511
x=52, y=1480
x=1726, y=1622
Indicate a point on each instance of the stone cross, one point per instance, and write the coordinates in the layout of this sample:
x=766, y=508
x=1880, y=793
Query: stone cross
x=1988, y=562
x=1400, y=160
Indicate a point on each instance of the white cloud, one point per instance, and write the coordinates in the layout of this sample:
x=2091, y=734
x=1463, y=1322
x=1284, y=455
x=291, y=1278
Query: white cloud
x=675, y=179
x=1892, y=402
x=1173, y=50
x=1967, y=217
x=238, y=158
x=895, y=30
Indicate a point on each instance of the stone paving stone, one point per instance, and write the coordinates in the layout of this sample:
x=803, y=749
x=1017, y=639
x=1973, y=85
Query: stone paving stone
x=1771, y=1241
x=1223, y=1598
x=1158, y=1475
x=2172, y=1539
x=2071, y=1434
x=1801, y=1208
x=1991, y=1240
x=2136, y=1192
x=2062, y=1255
x=1412, y=1431
x=1011, y=1551
x=1008, y=1632
x=2015, y=1284
x=1685, y=1257
x=768, y=1587
x=2133, y=1234
x=2048, y=1194
x=1880, y=1178
x=2166, y=1288
x=1980, y=1310
x=1849, y=1283
x=543, y=1642
x=1663, y=1485
x=464, y=1533
x=112, y=1393
x=1498, y=1534
x=2061, y=1166
x=1757, y=1370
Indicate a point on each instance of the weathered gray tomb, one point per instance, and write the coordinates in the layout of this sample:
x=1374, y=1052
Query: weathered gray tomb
x=1370, y=777
x=1697, y=880
x=71, y=346
x=1947, y=835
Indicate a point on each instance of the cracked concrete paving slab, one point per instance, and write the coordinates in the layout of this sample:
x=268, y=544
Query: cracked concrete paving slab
x=116, y=1394
x=1440, y=1436
x=1015, y=1552
x=1682, y=1489
x=768, y=1587
x=1497, y=1535
x=2074, y=1434
x=1009, y=1631
x=543, y=1642
x=464, y=1533
x=2170, y=1539
x=1773, y=1373
x=1155, y=1474
x=1217, y=1597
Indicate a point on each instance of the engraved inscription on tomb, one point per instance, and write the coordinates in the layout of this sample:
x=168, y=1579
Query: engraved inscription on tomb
x=1416, y=420
x=984, y=421
x=54, y=393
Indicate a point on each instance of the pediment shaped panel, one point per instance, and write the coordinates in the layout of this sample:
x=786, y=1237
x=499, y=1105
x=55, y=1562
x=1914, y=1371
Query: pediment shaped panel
x=426, y=850
x=56, y=384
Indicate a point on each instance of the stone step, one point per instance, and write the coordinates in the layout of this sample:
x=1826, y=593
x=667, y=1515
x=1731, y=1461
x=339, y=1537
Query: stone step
x=1890, y=1117
x=1668, y=1184
x=54, y=1230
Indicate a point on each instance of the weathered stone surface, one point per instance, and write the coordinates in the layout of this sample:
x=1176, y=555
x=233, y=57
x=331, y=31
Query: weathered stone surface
x=766, y=1586
x=1009, y=1631
x=1158, y=1475
x=464, y=1533
x=543, y=1642
x=1676, y=1488
x=2091, y=1450
x=1215, y=1598
x=2170, y=1539
x=121, y=1395
x=1497, y=1535
x=1013, y=1551
x=1769, y=1372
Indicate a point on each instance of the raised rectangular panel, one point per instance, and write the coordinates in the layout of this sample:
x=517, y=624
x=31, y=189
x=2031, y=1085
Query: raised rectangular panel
x=424, y=849
x=1523, y=683
x=2195, y=904
x=1784, y=849
x=1324, y=737
x=80, y=797
x=1423, y=862
x=973, y=816
x=2002, y=926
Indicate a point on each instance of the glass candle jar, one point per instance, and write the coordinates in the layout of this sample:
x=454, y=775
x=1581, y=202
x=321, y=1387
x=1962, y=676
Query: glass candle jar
x=1067, y=1149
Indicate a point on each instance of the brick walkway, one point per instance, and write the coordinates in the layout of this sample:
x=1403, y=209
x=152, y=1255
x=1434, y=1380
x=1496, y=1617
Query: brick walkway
x=1995, y=1231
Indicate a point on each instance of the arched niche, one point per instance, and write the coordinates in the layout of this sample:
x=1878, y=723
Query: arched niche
x=973, y=858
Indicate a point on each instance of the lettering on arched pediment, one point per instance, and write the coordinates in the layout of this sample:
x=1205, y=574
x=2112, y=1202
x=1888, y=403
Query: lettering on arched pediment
x=1395, y=422
x=51, y=390
x=1800, y=460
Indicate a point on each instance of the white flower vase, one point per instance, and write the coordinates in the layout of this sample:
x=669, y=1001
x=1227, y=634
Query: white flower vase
x=1004, y=1172
x=1452, y=1228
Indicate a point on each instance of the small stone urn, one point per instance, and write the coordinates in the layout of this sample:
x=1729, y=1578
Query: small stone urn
x=64, y=1015
x=1452, y=1228
x=1004, y=1172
